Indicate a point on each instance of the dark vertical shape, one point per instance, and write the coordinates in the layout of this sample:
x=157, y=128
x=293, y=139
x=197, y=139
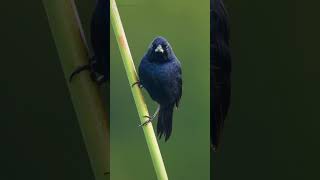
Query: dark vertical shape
x=99, y=34
x=160, y=74
x=164, y=126
x=100, y=38
x=220, y=69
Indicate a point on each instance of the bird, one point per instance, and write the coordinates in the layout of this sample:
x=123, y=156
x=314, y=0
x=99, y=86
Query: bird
x=160, y=74
x=220, y=70
x=99, y=34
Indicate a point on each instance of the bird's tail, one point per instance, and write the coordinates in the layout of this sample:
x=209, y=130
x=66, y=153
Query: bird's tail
x=164, y=126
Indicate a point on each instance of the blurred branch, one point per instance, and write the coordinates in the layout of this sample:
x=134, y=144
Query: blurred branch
x=136, y=92
x=70, y=43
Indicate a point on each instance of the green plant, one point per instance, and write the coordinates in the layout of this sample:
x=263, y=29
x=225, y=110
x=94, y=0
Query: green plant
x=91, y=113
x=136, y=92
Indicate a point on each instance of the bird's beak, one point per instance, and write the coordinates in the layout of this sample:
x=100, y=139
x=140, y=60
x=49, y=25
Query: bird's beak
x=159, y=49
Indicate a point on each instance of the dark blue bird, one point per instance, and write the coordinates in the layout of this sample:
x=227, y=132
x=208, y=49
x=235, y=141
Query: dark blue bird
x=220, y=65
x=160, y=75
x=99, y=35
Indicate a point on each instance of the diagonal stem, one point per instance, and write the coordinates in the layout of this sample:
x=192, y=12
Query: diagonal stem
x=91, y=113
x=136, y=92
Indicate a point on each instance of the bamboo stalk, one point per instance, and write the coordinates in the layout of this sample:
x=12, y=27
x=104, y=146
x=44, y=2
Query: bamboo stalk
x=87, y=101
x=136, y=92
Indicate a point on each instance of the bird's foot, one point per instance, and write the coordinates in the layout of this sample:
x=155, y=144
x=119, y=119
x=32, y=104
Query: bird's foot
x=137, y=83
x=89, y=67
x=96, y=77
x=78, y=70
x=148, y=121
x=99, y=79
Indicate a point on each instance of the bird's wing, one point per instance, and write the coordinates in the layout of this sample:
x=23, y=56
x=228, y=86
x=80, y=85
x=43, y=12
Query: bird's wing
x=145, y=74
x=175, y=77
x=179, y=85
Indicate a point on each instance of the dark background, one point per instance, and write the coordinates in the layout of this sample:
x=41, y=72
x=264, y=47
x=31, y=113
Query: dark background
x=40, y=135
x=273, y=128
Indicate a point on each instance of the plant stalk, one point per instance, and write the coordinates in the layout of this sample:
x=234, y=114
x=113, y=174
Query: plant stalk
x=87, y=101
x=136, y=92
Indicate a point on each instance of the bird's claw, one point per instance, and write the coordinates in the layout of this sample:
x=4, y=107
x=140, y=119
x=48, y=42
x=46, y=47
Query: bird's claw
x=146, y=122
x=137, y=83
x=94, y=76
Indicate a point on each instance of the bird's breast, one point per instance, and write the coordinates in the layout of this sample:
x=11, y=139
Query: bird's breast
x=158, y=80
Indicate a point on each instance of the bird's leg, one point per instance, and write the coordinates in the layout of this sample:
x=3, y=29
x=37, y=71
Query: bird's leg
x=89, y=67
x=100, y=79
x=137, y=83
x=96, y=77
x=150, y=118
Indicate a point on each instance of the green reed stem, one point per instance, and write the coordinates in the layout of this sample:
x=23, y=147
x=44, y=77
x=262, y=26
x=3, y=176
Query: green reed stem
x=87, y=101
x=136, y=92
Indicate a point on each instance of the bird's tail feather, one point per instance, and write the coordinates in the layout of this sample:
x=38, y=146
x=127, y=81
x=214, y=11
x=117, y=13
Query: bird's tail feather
x=164, y=126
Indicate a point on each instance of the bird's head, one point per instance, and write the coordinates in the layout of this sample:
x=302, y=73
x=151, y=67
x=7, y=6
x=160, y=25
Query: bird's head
x=160, y=50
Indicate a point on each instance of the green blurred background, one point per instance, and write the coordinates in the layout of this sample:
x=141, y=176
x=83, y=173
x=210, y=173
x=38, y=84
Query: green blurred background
x=186, y=154
x=273, y=129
